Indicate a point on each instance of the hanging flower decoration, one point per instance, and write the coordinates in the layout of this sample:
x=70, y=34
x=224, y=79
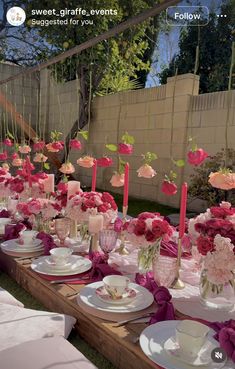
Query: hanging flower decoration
x=5, y=166
x=117, y=180
x=40, y=158
x=75, y=144
x=8, y=142
x=62, y=187
x=146, y=171
x=38, y=145
x=104, y=162
x=16, y=160
x=86, y=162
x=67, y=168
x=196, y=156
x=224, y=179
x=24, y=149
x=125, y=149
x=56, y=145
x=169, y=186
x=3, y=156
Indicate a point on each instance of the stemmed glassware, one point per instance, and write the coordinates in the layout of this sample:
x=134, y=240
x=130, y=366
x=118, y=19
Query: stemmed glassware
x=107, y=240
x=62, y=228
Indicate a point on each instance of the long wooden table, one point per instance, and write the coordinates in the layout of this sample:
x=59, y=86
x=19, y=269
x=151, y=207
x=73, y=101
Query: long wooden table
x=116, y=344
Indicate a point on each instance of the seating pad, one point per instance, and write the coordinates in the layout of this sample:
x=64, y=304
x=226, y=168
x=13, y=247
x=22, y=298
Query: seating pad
x=46, y=353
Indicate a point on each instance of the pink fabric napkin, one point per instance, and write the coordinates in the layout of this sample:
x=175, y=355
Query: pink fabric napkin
x=12, y=231
x=5, y=214
x=48, y=242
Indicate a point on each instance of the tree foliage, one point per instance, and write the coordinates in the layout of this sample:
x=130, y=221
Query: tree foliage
x=215, y=41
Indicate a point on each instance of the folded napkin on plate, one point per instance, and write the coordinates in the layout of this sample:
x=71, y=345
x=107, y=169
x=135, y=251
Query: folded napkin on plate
x=48, y=242
x=5, y=214
x=12, y=231
x=162, y=297
x=100, y=267
x=225, y=334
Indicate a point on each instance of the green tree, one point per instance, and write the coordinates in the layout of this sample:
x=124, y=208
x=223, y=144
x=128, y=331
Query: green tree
x=215, y=40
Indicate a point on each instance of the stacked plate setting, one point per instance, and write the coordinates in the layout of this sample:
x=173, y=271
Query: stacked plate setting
x=16, y=248
x=75, y=265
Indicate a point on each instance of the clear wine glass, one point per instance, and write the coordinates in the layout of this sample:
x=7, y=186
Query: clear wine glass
x=107, y=240
x=62, y=228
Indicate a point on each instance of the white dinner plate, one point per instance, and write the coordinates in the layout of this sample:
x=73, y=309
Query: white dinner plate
x=14, y=246
x=152, y=341
x=80, y=265
x=143, y=299
x=73, y=263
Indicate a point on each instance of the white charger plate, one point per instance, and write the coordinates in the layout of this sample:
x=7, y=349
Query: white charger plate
x=152, y=341
x=80, y=265
x=143, y=299
x=14, y=246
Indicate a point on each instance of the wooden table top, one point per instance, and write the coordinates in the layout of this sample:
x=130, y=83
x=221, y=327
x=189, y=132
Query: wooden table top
x=115, y=343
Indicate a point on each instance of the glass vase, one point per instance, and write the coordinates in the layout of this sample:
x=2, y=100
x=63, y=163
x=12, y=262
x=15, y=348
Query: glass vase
x=145, y=258
x=217, y=296
x=164, y=270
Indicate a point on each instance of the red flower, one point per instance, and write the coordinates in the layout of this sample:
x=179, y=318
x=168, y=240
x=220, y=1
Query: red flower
x=103, y=208
x=140, y=228
x=41, y=175
x=150, y=236
x=146, y=215
x=75, y=144
x=197, y=157
x=160, y=228
x=62, y=187
x=14, y=155
x=205, y=244
x=38, y=146
x=113, y=205
x=104, y=162
x=57, y=145
x=169, y=188
x=3, y=156
x=220, y=212
x=17, y=185
x=8, y=142
x=3, y=172
x=125, y=149
x=106, y=197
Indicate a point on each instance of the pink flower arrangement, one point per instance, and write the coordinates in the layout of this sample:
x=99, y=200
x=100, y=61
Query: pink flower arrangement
x=146, y=229
x=24, y=149
x=197, y=157
x=75, y=144
x=117, y=180
x=125, y=149
x=67, y=168
x=81, y=206
x=86, y=162
x=32, y=208
x=146, y=171
x=104, y=162
x=169, y=187
x=218, y=220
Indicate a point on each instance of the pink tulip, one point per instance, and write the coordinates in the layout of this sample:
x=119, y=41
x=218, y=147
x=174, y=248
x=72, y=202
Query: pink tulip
x=169, y=188
x=86, y=162
x=67, y=168
x=125, y=149
x=75, y=144
x=197, y=157
x=146, y=171
x=117, y=180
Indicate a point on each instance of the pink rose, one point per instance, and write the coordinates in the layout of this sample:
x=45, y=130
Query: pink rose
x=169, y=188
x=86, y=162
x=150, y=236
x=221, y=212
x=34, y=206
x=17, y=185
x=204, y=245
x=40, y=158
x=67, y=168
x=6, y=167
x=104, y=162
x=3, y=156
x=8, y=142
x=25, y=149
x=62, y=187
x=197, y=157
x=118, y=225
x=75, y=144
x=17, y=162
x=161, y=227
x=223, y=181
x=125, y=149
x=117, y=180
x=50, y=148
x=38, y=146
x=40, y=175
x=140, y=228
x=106, y=197
x=146, y=171
x=103, y=208
x=57, y=145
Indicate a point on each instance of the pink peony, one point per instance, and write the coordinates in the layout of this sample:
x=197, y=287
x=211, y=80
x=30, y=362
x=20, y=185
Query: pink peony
x=3, y=156
x=67, y=168
x=24, y=149
x=169, y=188
x=117, y=180
x=86, y=162
x=221, y=180
x=125, y=149
x=197, y=157
x=40, y=158
x=146, y=171
x=38, y=146
x=75, y=144
x=104, y=162
x=8, y=142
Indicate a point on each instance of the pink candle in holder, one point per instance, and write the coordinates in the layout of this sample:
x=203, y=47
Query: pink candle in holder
x=49, y=183
x=73, y=187
x=95, y=224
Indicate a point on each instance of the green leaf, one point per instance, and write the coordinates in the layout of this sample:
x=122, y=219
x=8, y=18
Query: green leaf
x=111, y=147
x=10, y=135
x=127, y=139
x=194, y=147
x=179, y=163
x=173, y=175
x=149, y=157
x=46, y=166
x=84, y=134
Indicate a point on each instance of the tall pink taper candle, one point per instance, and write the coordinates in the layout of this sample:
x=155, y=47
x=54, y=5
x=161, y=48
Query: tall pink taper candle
x=126, y=185
x=183, y=205
x=49, y=183
x=94, y=172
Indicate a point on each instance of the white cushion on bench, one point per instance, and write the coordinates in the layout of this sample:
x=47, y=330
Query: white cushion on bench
x=50, y=353
x=7, y=298
x=18, y=325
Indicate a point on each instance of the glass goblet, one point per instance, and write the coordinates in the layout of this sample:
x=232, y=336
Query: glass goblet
x=107, y=240
x=62, y=228
x=164, y=270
